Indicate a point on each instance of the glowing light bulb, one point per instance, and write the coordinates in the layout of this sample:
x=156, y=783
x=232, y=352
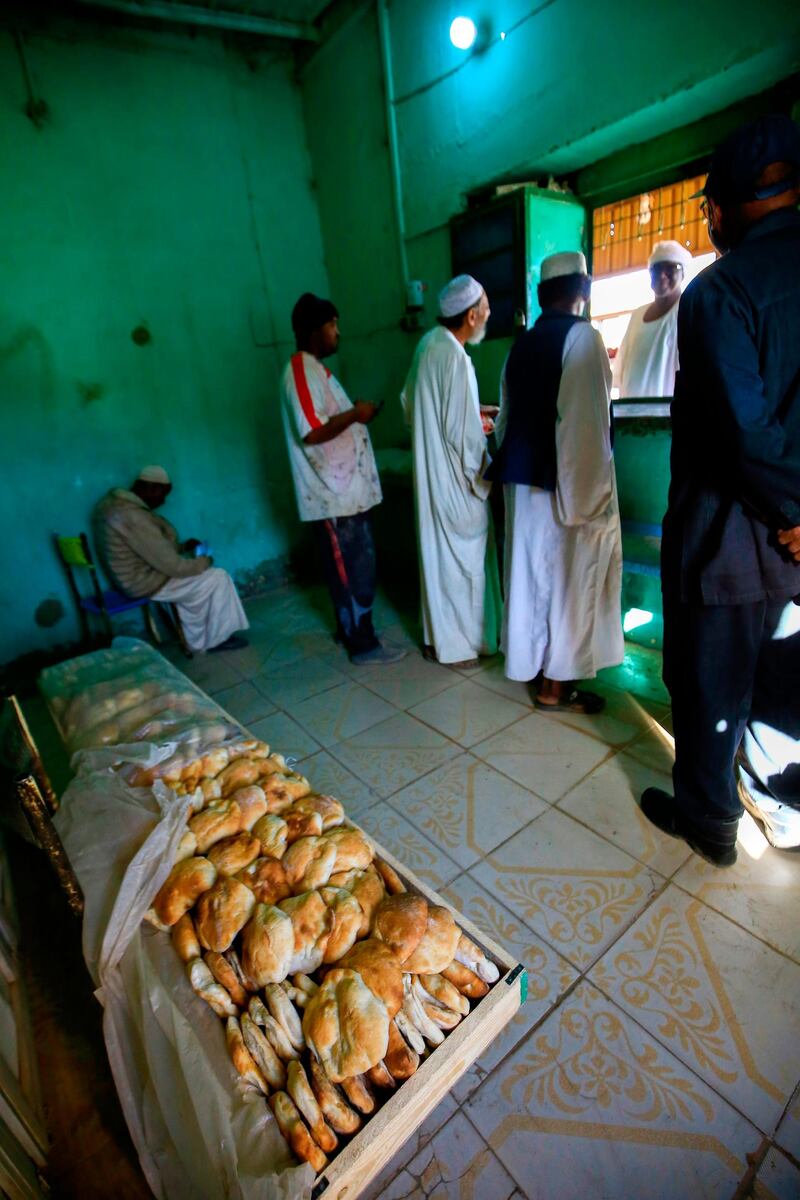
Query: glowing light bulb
x=502, y=36
x=463, y=33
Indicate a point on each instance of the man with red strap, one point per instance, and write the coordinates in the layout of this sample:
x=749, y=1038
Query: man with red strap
x=335, y=478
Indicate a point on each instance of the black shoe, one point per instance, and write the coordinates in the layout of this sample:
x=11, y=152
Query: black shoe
x=718, y=848
x=234, y=642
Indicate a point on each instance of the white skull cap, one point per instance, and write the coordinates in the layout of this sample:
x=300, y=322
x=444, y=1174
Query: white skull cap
x=154, y=474
x=458, y=295
x=569, y=262
x=671, y=252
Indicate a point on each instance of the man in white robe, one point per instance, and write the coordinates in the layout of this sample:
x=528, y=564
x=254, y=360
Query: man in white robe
x=647, y=360
x=563, y=551
x=143, y=557
x=440, y=403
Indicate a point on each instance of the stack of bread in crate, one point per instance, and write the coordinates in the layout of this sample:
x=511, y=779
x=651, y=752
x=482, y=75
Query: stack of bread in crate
x=334, y=982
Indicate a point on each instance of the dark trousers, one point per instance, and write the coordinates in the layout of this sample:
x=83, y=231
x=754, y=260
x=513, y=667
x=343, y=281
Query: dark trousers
x=724, y=666
x=347, y=551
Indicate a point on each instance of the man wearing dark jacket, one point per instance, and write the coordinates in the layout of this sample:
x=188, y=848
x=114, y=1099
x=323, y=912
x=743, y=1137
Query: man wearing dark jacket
x=731, y=539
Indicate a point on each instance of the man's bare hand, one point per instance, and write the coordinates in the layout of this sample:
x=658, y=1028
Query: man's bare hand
x=490, y=410
x=365, y=411
x=790, y=538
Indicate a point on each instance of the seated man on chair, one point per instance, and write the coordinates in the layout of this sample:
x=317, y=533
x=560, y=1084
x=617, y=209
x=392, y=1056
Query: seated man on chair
x=142, y=555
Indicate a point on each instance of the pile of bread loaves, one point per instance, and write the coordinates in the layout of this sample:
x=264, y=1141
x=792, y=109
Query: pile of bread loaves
x=333, y=980
x=142, y=706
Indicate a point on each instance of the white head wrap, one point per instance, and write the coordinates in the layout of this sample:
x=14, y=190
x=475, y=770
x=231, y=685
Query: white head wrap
x=154, y=474
x=671, y=252
x=569, y=262
x=458, y=295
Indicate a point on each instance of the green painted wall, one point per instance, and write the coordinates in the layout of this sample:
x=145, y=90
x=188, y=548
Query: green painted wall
x=571, y=86
x=170, y=186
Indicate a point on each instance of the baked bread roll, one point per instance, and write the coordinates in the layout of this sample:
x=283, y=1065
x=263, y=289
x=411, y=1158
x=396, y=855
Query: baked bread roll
x=219, y=820
x=392, y=881
x=465, y=980
x=285, y=1013
x=347, y=917
x=329, y=808
x=472, y=957
x=187, y=846
x=299, y=1089
x=380, y=1076
x=272, y=832
x=241, y=1057
x=301, y=824
x=308, y=863
x=241, y=773
x=224, y=973
x=353, y=851
x=312, y=921
x=184, y=939
x=209, y=990
x=437, y=945
x=337, y=1112
x=186, y=882
x=400, y=921
x=210, y=790
x=221, y=912
x=267, y=945
x=266, y=878
x=415, y=1013
x=410, y=1033
x=283, y=788
x=445, y=1018
x=369, y=890
x=232, y=958
x=359, y=1093
x=345, y=1025
x=442, y=991
x=401, y=1060
x=273, y=1030
x=233, y=854
x=291, y=1126
x=262, y=1053
x=376, y=965
x=252, y=802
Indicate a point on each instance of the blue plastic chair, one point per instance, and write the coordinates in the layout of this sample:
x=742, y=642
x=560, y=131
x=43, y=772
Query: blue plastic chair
x=74, y=552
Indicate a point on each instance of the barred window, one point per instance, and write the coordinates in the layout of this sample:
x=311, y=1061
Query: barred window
x=625, y=232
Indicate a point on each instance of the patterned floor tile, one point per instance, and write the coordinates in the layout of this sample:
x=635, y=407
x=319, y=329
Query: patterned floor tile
x=756, y=893
x=285, y=736
x=270, y=652
x=549, y=975
x=456, y=1164
x=720, y=1000
x=211, y=672
x=467, y=808
x=777, y=1179
x=341, y=712
x=468, y=713
x=392, y=754
x=493, y=677
x=377, y=1189
x=407, y=844
x=623, y=718
x=245, y=703
x=788, y=1132
x=568, y=885
x=542, y=754
x=329, y=777
x=296, y=681
x=409, y=681
x=608, y=802
x=591, y=1102
x=654, y=748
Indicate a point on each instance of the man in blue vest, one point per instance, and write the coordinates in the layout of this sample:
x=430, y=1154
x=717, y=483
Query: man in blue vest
x=732, y=530
x=563, y=558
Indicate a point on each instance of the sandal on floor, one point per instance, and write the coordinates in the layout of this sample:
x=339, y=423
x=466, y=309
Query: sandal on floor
x=429, y=654
x=575, y=701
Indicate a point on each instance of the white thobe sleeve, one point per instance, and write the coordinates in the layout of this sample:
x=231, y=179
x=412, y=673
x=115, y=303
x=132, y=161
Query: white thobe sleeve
x=462, y=426
x=618, y=364
x=585, y=473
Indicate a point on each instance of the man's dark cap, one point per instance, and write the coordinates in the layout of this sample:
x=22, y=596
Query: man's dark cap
x=738, y=163
x=311, y=313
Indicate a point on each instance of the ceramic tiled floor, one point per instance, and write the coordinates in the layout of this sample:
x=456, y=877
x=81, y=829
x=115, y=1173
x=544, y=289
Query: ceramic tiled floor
x=657, y=1053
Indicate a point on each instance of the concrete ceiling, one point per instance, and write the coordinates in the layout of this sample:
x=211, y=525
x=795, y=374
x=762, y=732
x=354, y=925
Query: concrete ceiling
x=292, y=19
